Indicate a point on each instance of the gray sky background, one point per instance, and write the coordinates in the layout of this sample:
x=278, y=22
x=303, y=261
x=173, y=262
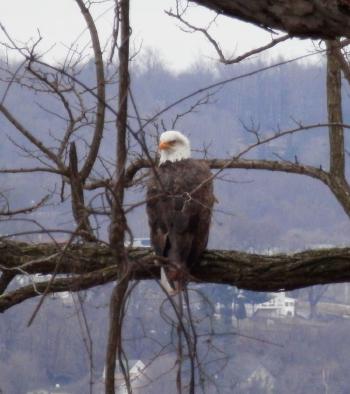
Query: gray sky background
x=60, y=24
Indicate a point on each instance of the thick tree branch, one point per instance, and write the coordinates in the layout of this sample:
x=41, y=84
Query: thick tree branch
x=269, y=165
x=77, y=197
x=78, y=283
x=5, y=280
x=92, y=264
x=312, y=18
x=337, y=179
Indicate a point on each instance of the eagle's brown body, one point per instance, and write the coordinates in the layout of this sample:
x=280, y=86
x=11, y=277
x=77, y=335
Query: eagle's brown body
x=180, y=213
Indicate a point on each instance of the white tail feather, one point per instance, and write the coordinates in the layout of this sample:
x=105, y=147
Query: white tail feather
x=170, y=288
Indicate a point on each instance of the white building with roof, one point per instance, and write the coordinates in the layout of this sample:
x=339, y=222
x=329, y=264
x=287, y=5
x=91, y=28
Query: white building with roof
x=279, y=305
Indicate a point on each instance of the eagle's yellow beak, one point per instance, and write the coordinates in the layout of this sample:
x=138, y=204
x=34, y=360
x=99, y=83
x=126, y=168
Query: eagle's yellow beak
x=164, y=145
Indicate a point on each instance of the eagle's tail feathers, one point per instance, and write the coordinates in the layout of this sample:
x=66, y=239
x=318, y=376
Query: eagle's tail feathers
x=170, y=287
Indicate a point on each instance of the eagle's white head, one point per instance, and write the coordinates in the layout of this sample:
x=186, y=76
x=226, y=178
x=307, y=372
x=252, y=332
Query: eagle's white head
x=173, y=146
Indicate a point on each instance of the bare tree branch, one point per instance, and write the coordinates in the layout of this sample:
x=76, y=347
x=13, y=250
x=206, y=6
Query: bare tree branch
x=101, y=95
x=179, y=15
x=33, y=208
x=30, y=136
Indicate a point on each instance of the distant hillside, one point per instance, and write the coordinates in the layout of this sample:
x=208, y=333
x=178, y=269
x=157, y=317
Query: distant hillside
x=258, y=210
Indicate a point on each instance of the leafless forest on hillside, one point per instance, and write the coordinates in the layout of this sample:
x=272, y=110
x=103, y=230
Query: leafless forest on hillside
x=80, y=137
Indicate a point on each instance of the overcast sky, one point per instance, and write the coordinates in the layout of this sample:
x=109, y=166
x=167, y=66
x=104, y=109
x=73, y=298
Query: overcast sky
x=60, y=24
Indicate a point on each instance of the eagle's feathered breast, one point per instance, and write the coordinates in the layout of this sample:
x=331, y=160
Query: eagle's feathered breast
x=179, y=205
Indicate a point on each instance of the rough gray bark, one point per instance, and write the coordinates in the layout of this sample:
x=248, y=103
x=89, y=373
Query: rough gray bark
x=303, y=18
x=77, y=197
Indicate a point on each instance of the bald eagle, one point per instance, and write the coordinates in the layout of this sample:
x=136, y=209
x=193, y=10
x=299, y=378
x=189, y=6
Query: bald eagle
x=180, y=199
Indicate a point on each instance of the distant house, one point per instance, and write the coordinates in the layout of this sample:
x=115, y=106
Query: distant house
x=247, y=374
x=259, y=379
x=139, y=243
x=278, y=306
x=153, y=376
x=136, y=369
